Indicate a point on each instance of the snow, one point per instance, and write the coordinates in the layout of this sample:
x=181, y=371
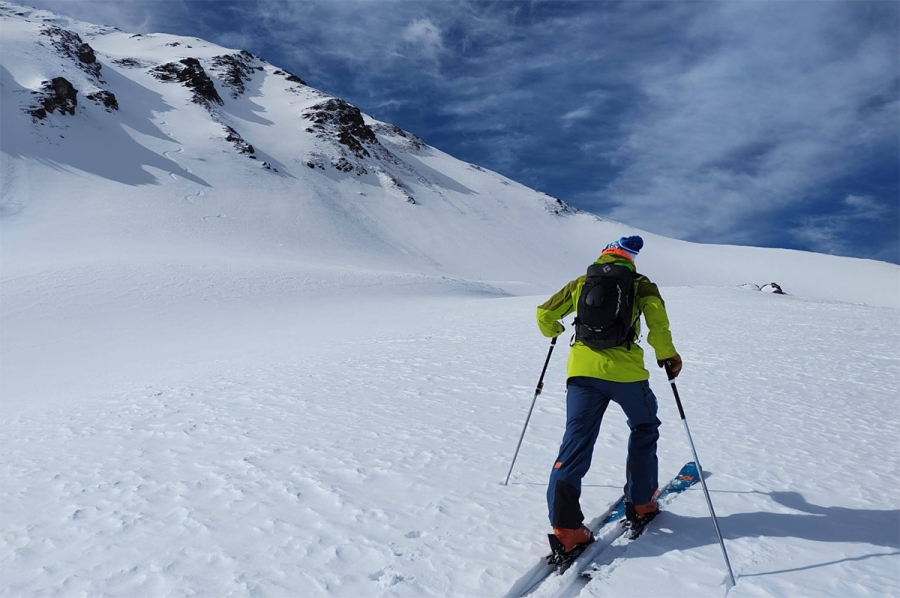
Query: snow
x=369, y=458
x=220, y=380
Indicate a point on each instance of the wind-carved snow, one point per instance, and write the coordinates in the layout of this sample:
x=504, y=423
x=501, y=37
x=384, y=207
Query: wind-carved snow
x=223, y=378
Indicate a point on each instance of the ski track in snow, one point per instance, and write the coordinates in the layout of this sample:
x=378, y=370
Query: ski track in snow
x=190, y=197
x=371, y=463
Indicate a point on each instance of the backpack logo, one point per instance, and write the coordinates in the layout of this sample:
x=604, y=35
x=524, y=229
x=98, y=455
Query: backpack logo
x=606, y=307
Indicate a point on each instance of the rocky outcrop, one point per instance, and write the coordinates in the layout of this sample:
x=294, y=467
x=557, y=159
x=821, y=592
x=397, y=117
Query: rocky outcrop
x=772, y=287
x=70, y=45
x=55, y=95
x=132, y=63
x=243, y=147
x=558, y=207
x=107, y=99
x=336, y=119
x=395, y=186
x=289, y=76
x=235, y=70
x=239, y=144
x=189, y=72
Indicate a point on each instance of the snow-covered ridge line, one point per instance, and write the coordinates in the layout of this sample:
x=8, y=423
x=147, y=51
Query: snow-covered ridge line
x=161, y=139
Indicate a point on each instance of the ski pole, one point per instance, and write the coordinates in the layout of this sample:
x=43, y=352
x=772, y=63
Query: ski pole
x=537, y=391
x=699, y=470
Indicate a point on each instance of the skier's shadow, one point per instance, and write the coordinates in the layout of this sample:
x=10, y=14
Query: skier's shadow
x=813, y=522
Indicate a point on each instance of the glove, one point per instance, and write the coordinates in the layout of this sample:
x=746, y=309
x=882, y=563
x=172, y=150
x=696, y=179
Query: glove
x=674, y=364
x=558, y=329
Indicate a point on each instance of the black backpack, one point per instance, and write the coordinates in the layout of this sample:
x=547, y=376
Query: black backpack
x=606, y=307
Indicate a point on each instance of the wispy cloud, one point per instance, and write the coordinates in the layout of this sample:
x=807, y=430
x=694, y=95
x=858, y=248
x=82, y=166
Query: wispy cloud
x=866, y=207
x=847, y=227
x=577, y=114
x=767, y=118
x=425, y=35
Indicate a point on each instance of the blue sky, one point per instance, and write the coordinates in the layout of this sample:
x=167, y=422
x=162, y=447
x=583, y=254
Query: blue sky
x=759, y=123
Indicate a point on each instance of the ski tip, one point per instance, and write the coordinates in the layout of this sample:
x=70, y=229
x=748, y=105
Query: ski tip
x=690, y=471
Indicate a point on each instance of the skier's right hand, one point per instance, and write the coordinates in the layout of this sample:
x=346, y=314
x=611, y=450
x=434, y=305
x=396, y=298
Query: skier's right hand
x=674, y=364
x=558, y=329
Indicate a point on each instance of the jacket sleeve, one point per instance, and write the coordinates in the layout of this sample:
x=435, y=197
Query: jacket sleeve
x=556, y=308
x=652, y=305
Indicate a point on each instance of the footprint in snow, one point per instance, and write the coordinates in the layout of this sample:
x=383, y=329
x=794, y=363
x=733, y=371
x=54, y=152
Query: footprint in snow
x=387, y=577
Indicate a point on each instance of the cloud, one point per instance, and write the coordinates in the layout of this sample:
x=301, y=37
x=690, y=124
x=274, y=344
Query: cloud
x=577, y=114
x=770, y=113
x=848, y=227
x=425, y=34
x=866, y=207
x=136, y=17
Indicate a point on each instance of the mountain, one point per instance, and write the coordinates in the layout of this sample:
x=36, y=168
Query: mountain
x=158, y=145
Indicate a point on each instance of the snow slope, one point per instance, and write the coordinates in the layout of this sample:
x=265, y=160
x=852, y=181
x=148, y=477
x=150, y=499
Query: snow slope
x=218, y=378
x=368, y=460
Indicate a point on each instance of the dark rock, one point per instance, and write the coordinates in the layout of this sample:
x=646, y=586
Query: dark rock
x=336, y=118
x=290, y=76
x=173, y=44
x=235, y=70
x=107, y=98
x=57, y=94
x=70, y=45
x=86, y=54
x=343, y=165
x=240, y=145
x=772, y=287
x=191, y=74
x=129, y=62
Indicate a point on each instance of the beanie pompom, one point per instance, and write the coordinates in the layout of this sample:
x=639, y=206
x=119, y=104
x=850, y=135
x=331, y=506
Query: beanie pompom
x=634, y=243
x=629, y=246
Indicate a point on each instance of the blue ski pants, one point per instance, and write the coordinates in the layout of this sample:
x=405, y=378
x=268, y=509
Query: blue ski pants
x=586, y=402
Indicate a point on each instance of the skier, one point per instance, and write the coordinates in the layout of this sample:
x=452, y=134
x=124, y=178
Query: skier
x=605, y=364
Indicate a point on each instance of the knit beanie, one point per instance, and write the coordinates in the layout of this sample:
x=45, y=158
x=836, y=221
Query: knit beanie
x=626, y=246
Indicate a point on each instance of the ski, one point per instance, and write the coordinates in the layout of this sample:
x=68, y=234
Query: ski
x=606, y=529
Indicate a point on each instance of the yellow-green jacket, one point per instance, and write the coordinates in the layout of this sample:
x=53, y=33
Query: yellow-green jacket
x=618, y=364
